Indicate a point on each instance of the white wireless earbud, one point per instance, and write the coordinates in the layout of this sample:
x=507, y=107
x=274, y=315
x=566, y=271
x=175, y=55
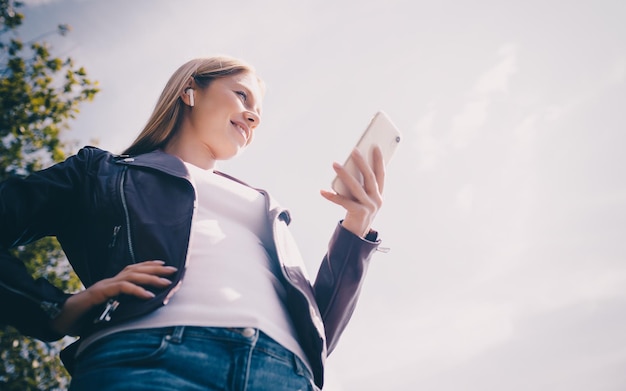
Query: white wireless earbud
x=189, y=92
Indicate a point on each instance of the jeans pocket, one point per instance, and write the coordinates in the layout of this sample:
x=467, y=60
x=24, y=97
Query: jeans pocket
x=123, y=348
x=284, y=372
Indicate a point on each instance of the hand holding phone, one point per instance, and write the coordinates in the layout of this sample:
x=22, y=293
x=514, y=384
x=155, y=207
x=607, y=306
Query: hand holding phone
x=380, y=132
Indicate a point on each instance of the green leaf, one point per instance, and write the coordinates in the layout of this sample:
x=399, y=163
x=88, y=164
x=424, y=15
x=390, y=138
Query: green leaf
x=39, y=94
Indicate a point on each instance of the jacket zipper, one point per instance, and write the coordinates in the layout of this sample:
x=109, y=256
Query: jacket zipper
x=116, y=230
x=105, y=316
x=113, y=303
x=50, y=308
x=127, y=216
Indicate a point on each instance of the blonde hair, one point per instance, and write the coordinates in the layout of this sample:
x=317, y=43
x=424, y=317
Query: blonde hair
x=169, y=109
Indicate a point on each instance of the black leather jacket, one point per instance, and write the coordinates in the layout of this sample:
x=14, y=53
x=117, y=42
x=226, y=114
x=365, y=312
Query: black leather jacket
x=108, y=211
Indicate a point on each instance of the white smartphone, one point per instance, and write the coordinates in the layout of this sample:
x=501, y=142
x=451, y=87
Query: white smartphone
x=380, y=131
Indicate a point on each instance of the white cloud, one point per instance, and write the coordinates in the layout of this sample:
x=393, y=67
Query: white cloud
x=458, y=330
x=472, y=117
x=525, y=132
x=583, y=284
x=497, y=78
x=467, y=123
x=430, y=149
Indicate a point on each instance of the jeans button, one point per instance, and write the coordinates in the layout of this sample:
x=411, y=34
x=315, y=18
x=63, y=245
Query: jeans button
x=248, y=332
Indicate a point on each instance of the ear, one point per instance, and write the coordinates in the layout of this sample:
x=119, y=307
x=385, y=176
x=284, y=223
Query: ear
x=187, y=94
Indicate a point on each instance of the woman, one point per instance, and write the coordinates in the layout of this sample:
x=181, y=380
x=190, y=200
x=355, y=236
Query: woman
x=159, y=225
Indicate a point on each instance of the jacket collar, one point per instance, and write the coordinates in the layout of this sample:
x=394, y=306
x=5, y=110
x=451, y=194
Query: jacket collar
x=157, y=160
x=172, y=165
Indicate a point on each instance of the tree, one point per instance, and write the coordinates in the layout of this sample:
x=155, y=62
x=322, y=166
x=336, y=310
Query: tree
x=39, y=95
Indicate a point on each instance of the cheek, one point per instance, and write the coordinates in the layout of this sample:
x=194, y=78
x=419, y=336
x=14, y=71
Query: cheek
x=206, y=118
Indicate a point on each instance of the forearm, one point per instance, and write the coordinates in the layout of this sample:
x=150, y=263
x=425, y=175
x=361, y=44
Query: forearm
x=132, y=280
x=68, y=322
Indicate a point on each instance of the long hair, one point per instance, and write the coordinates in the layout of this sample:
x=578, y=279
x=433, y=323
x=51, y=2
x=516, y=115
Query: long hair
x=169, y=109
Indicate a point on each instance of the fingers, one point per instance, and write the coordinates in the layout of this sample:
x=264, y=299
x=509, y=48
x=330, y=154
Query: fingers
x=378, y=165
x=148, y=273
x=359, y=200
x=338, y=199
x=365, y=198
x=132, y=289
x=373, y=177
x=369, y=180
x=374, y=174
x=157, y=268
x=133, y=280
x=355, y=188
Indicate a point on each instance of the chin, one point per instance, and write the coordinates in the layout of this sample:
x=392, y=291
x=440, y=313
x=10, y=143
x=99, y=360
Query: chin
x=231, y=154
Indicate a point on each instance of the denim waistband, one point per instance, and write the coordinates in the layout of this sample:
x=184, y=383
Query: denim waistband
x=247, y=336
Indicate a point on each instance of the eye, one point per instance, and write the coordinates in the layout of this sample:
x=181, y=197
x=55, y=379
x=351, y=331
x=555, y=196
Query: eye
x=242, y=95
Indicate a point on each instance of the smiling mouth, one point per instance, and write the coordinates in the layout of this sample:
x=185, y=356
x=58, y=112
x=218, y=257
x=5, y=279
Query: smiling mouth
x=241, y=129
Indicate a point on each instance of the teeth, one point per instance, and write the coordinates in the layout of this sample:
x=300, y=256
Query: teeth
x=242, y=131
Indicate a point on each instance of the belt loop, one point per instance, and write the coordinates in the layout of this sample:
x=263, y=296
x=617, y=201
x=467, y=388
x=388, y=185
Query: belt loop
x=177, y=334
x=297, y=365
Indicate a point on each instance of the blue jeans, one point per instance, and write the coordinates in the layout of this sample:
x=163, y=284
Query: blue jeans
x=189, y=358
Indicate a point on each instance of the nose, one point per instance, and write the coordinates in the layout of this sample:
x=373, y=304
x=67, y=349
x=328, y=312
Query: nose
x=253, y=119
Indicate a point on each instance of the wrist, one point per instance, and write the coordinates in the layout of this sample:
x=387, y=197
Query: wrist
x=360, y=229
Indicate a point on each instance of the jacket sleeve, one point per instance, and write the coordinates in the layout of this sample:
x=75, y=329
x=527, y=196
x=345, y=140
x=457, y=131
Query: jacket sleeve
x=30, y=209
x=340, y=278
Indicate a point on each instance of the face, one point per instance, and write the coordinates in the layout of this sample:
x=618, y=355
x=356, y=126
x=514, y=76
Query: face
x=225, y=116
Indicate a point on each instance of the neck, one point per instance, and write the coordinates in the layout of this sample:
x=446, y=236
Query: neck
x=193, y=153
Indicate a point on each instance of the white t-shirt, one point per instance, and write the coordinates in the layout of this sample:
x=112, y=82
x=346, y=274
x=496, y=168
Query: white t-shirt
x=230, y=280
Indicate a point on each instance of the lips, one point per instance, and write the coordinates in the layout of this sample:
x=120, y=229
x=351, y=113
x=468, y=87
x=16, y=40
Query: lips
x=245, y=131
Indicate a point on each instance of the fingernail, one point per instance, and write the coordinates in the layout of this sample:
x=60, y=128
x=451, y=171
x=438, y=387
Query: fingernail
x=150, y=294
x=165, y=280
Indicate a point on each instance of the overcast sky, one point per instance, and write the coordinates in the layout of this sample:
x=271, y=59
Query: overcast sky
x=505, y=205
